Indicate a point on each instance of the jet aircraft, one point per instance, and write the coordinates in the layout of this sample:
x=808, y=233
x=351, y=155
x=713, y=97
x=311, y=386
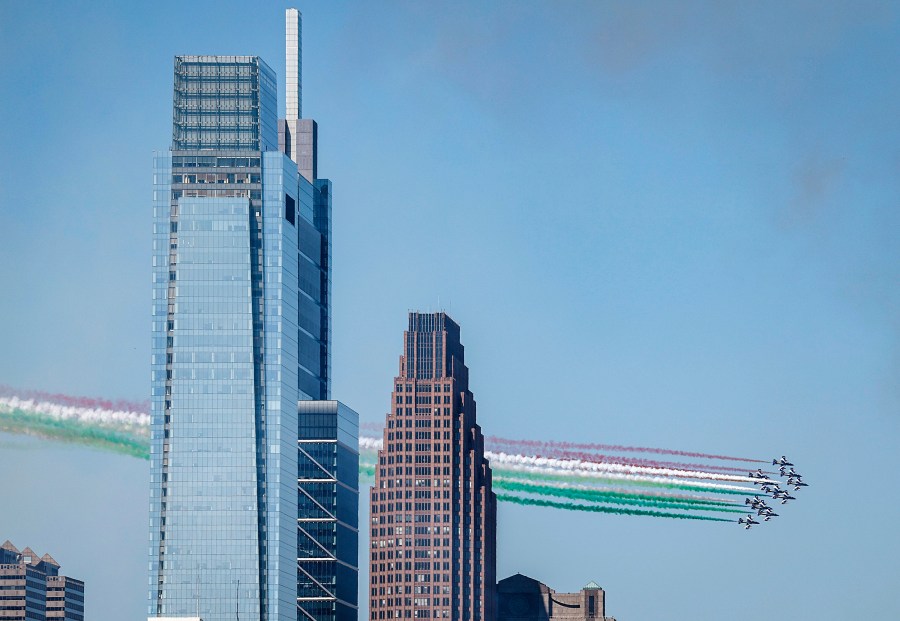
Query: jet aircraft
x=791, y=474
x=755, y=503
x=781, y=462
x=748, y=522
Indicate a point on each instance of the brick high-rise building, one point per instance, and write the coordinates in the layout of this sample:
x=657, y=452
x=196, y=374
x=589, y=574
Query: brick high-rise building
x=433, y=513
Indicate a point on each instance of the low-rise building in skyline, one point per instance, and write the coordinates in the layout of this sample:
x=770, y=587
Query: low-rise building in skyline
x=328, y=527
x=521, y=598
x=33, y=589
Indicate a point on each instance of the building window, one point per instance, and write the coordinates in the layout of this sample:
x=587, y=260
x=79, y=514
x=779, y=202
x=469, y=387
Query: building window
x=289, y=209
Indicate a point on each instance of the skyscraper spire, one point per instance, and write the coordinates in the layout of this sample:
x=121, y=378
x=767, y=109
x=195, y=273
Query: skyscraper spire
x=241, y=338
x=293, y=41
x=297, y=137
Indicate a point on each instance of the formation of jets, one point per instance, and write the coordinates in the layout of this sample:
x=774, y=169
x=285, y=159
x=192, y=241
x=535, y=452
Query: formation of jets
x=762, y=509
x=771, y=487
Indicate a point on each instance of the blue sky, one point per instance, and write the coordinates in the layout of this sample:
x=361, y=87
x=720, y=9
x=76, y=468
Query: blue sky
x=668, y=224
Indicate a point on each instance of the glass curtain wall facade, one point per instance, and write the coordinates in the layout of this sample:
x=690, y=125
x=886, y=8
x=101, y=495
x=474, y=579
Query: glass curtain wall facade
x=224, y=102
x=433, y=512
x=241, y=290
x=328, y=497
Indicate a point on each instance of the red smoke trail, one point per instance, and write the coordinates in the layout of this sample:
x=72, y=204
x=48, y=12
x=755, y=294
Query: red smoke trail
x=634, y=461
x=79, y=402
x=531, y=445
x=550, y=447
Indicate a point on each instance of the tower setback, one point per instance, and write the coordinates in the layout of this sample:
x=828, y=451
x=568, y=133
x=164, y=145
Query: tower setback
x=433, y=513
x=240, y=336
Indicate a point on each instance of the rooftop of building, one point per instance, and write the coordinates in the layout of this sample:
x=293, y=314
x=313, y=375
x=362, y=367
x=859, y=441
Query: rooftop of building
x=517, y=582
x=27, y=556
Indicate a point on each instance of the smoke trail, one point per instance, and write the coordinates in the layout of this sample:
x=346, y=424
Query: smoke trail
x=561, y=464
x=88, y=433
x=622, y=492
x=91, y=421
x=600, y=458
x=366, y=471
x=578, y=465
x=497, y=442
x=133, y=422
x=552, y=476
x=635, y=479
x=607, y=498
x=532, y=444
x=579, y=456
x=571, y=506
x=369, y=445
x=81, y=402
x=66, y=430
x=372, y=444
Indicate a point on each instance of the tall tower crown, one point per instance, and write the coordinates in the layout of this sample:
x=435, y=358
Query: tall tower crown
x=293, y=46
x=432, y=508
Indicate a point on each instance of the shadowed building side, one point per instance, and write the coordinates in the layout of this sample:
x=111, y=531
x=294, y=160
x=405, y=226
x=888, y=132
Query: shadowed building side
x=521, y=598
x=328, y=527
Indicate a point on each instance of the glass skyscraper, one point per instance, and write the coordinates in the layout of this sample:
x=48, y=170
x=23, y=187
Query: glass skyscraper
x=241, y=333
x=329, y=501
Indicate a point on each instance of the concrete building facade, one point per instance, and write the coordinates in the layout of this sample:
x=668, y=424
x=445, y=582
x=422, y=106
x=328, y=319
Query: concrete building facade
x=31, y=588
x=521, y=598
x=433, y=512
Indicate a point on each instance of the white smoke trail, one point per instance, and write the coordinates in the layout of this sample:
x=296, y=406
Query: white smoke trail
x=539, y=465
x=138, y=422
x=373, y=444
x=614, y=476
x=577, y=464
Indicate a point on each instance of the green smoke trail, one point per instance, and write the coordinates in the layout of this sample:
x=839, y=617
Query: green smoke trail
x=616, y=498
x=584, y=493
x=570, y=506
x=17, y=421
x=366, y=471
x=90, y=434
x=619, y=493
